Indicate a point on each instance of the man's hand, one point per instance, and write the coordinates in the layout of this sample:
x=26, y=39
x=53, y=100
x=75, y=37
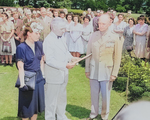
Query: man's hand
x=148, y=49
x=87, y=75
x=112, y=78
x=70, y=65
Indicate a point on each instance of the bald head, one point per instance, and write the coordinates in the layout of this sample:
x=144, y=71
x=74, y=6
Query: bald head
x=104, y=22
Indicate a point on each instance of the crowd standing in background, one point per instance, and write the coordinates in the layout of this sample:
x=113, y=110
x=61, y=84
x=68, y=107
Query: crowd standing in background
x=77, y=35
x=21, y=28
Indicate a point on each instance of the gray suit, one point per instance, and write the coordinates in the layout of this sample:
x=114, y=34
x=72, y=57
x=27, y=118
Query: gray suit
x=56, y=74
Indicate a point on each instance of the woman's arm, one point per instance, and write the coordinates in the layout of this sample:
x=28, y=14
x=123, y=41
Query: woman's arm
x=42, y=66
x=20, y=65
x=138, y=33
x=115, y=29
x=118, y=31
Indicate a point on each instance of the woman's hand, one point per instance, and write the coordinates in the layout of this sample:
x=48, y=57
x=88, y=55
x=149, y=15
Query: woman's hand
x=22, y=85
x=24, y=88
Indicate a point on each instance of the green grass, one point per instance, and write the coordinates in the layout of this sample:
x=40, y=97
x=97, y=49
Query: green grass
x=78, y=95
x=135, y=16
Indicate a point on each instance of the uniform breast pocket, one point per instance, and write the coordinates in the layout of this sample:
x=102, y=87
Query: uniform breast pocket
x=109, y=48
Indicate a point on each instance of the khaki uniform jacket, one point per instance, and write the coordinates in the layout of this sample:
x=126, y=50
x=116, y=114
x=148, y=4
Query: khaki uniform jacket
x=106, y=55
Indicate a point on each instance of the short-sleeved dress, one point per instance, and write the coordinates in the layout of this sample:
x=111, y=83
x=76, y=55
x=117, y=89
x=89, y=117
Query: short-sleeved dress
x=87, y=31
x=31, y=102
x=140, y=40
x=120, y=27
x=5, y=31
x=67, y=33
x=76, y=43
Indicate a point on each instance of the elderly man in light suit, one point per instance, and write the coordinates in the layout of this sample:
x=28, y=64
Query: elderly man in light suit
x=57, y=59
x=103, y=66
x=45, y=21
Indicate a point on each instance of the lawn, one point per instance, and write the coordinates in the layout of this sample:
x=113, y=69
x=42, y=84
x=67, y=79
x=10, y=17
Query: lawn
x=78, y=95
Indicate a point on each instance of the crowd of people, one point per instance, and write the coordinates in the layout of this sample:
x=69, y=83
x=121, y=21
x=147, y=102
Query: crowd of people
x=78, y=29
x=49, y=42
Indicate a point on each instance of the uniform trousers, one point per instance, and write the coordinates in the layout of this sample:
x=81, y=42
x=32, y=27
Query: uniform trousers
x=55, y=101
x=105, y=88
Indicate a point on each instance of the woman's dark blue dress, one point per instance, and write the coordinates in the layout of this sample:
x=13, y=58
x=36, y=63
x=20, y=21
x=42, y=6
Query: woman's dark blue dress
x=31, y=102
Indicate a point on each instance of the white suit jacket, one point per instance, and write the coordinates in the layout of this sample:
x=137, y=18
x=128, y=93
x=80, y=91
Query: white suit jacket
x=56, y=57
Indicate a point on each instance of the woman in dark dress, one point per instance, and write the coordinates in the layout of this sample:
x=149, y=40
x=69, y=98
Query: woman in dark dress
x=128, y=35
x=30, y=57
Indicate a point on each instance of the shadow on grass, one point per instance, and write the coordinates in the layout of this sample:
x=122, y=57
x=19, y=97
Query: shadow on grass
x=73, y=110
x=40, y=117
x=10, y=118
x=77, y=111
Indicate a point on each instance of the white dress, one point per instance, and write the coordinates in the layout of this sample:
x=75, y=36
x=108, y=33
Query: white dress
x=120, y=27
x=76, y=43
x=111, y=27
x=86, y=35
x=5, y=31
x=67, y=33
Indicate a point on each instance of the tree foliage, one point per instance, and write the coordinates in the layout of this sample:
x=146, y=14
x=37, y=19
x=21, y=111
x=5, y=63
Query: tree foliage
x=6, y=2
x=137, y=6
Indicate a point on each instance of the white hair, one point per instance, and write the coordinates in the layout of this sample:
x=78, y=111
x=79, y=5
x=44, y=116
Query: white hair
x=58, y=23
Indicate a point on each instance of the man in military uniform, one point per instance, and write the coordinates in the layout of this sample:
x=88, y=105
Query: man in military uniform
x=103, y=66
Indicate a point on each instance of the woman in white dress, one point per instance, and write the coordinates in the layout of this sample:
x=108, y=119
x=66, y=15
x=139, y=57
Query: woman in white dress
x=140, y=31
x=76, y=44
x=69, y=23
x=7, y=39
x=87, y=30
x=120, y=25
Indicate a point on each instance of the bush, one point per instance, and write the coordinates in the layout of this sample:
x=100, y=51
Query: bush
x=29, y=6
x=75, y=12
x=17, y=5
x=139, y=76
x=135, y=92
x=120, y=84
x=82, y=63
x=146, y=94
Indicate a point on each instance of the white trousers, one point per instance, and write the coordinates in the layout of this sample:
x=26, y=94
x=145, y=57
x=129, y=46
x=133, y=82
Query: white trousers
x=55, y=101
x=105, y=88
